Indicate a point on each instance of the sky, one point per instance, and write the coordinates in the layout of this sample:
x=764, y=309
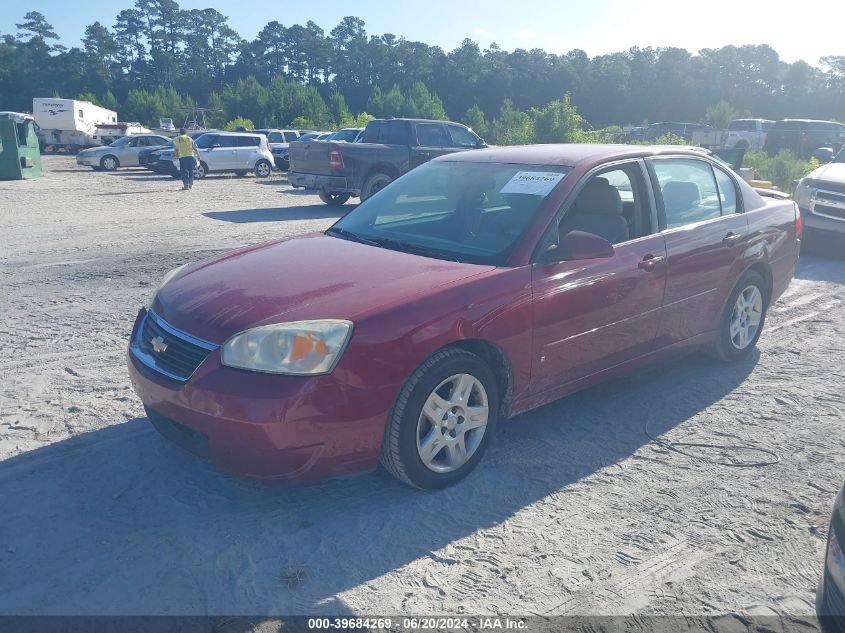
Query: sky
x=596, y=26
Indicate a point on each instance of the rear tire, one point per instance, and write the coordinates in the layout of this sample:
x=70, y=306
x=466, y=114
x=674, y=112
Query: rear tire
x=263, y=168
x=374, y=183
x=743, y=319
x=333, y=199
x=442, y=422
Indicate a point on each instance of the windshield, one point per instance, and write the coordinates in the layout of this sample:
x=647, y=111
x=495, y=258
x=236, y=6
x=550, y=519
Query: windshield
x=467, y=212
x=123, y=140
x=204, y=141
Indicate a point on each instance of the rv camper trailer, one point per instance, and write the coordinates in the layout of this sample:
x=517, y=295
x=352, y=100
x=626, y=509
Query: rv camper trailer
x=68, y=124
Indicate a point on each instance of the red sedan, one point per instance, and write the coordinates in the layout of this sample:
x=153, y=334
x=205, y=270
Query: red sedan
x=479, y=285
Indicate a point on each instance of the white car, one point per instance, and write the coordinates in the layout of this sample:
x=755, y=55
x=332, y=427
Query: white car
x=122, y=153
x=238, y=152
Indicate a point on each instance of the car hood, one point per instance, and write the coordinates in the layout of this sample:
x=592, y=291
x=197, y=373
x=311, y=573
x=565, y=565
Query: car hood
x=307, y=277
x=93, y=151
x=832, y=172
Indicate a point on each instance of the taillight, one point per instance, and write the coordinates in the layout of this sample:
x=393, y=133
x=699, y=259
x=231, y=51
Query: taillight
x=798, y=225
x=335, y=159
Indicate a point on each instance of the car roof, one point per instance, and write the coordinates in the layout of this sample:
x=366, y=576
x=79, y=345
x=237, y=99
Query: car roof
x=809, y=121
x=568, y=154
x=235, y=133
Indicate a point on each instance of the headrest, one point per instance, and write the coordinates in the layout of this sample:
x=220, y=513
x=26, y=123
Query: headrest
x=681, y=195
x=599, y=197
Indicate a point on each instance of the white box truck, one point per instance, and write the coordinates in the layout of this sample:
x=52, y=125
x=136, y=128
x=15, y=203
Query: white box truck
x=69, y=124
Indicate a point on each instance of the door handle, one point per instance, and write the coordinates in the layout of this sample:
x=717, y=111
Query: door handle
x=731, y=238
x=649, y=262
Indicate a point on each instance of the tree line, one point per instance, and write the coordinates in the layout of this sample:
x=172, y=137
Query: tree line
x=158, y=59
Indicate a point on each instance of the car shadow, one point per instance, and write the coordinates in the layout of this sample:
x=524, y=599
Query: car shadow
x=821, y=257
x=279, y=214
x=119, y=521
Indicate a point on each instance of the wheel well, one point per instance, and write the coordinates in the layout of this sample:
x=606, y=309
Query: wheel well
x=498, y=363
x=766, y=273
x=390, y=170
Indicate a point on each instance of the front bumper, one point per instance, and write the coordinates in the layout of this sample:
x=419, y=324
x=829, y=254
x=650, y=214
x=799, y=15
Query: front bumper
x=264, y=426
x=822, y=222
x=332, y=184
x=88, y=161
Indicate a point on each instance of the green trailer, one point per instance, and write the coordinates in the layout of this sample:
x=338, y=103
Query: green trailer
x=20, y=154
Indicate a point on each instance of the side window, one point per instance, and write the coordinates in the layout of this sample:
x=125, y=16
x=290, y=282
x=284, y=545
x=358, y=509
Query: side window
x=610, y=204
x=393, y=133
x=226, y=141
x=688, y=189
x=81, y=115
x=275, y=137
x=133, y=142
x=432, y=135
x=727, y=192
x=461, y=137
x=247, y=141
x=21, y=130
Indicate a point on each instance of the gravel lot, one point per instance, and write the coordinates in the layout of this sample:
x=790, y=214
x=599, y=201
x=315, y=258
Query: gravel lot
x=575, y=509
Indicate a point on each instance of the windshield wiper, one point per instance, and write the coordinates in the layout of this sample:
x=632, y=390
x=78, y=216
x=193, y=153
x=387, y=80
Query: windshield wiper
x=401, y=245
x=353, y=237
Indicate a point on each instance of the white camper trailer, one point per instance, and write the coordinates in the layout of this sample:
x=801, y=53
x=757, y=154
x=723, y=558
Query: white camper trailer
x=68, y=123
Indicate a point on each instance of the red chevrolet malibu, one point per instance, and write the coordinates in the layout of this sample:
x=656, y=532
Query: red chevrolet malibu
x=477, y=286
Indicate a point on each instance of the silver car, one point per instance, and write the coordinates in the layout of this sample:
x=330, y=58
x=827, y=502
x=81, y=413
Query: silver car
x=122, y=153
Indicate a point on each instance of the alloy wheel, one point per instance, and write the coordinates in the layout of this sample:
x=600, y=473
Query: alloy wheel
x=452, y=423
x=746, y=316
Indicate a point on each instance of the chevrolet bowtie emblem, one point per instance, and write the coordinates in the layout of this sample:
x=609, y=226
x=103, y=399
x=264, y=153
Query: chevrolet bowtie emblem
x=159, y=346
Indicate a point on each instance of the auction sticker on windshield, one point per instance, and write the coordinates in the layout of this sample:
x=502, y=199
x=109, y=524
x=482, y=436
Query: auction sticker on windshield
x=536, y=183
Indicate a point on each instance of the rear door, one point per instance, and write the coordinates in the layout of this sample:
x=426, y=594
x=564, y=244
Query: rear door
x=432, y=141
x=592, y=315
x=706, y=233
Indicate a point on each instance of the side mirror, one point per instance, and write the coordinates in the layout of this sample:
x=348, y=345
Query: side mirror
x=481, y=144
x=823, y=154
x=579, y=245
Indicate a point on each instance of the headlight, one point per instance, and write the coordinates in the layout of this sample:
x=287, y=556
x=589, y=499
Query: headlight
x=167, y=277
x=803, y=194
x=302, y=348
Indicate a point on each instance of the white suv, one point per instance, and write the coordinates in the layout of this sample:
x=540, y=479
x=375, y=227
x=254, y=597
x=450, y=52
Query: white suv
x=238, y=152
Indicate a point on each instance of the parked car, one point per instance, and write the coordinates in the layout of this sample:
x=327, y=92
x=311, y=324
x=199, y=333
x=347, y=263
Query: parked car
x=150, y=157
x=388, y=148
x=684, y=130
x=122, y=153
x=479, y=285
x=830, y=598
x=238, y=152
x=346, y=135
x=802, y=137
x=821, y=196
x=279, y=141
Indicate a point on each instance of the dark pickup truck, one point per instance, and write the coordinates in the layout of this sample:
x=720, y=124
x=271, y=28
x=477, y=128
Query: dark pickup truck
x=388, y=148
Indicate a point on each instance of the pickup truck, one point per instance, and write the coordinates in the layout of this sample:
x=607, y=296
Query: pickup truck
x=388, y=148
x=748, y=134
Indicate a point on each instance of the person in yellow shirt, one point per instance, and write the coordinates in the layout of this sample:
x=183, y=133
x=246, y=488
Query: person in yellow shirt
x=185, y=150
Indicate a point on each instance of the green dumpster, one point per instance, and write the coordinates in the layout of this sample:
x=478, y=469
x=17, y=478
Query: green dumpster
x=20, y=154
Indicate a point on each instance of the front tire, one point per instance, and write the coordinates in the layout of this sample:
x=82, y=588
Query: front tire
x=334, y=199
x=200, y=171
x=743, y=319
x=374, y=183
x=263, y=168
x=109, y=163
x=442, y=421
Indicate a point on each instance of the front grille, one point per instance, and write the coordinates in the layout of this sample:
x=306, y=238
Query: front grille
x=169, y=351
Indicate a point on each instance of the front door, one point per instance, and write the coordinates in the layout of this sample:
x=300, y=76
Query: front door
x=706, y=234
x=594, y=314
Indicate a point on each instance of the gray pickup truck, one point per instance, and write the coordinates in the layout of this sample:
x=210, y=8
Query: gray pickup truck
x=388, y=148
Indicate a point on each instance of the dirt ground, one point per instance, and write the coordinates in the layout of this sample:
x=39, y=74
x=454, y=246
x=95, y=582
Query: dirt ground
x=575, y=509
